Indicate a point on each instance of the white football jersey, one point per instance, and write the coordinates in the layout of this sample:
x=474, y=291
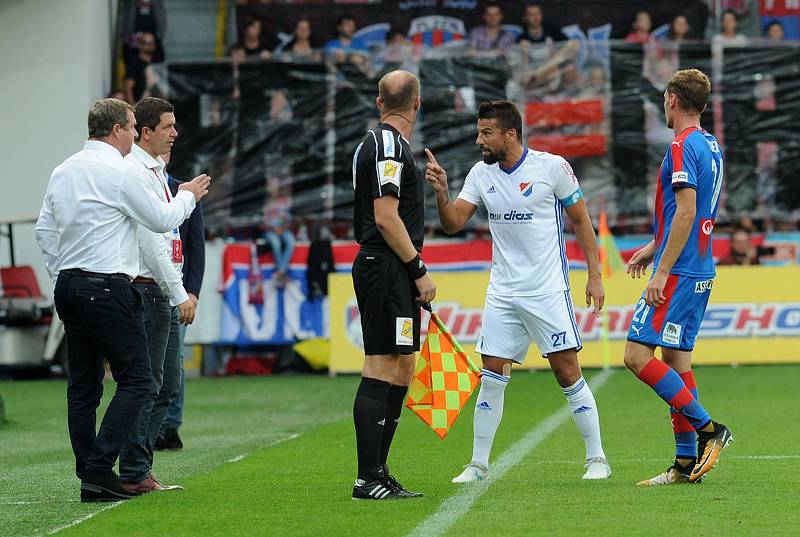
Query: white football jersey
x=525, y=205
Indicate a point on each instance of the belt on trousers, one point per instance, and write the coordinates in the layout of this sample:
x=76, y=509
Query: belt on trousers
x=142, y=279
x=87, y=274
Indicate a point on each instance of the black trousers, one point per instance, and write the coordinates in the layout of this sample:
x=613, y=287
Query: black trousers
x=103, y=319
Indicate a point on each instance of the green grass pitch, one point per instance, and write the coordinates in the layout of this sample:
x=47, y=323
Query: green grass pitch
x=275, y=456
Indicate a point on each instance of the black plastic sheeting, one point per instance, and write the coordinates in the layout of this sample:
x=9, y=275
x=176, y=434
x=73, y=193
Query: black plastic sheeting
x=269, y=131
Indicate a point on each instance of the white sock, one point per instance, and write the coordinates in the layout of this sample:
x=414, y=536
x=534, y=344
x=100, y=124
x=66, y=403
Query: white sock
x=584, y=412
x=488, y=412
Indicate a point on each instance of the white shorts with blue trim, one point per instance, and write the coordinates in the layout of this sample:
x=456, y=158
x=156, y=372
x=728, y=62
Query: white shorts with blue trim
x=510, y=323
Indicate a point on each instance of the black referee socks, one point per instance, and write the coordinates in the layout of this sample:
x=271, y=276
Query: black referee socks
x=369, y=416
x=394, y=406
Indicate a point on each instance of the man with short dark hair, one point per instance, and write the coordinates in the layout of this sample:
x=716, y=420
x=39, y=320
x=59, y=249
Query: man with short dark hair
x=528, y=298
x=536, y=30
x=166, y=302
x=741, y=250
x=136, y=67
x=671, y=308
x=88, y=231
x=389, y=278
x=343, y=48
x=491, y=35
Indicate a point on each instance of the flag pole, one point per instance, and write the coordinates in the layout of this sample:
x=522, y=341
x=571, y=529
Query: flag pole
x=605, y=339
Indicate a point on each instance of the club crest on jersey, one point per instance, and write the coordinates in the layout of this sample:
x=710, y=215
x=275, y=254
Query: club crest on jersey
x=526, y=189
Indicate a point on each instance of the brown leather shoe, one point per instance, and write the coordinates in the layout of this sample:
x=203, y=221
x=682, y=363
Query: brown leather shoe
x=144, y=486
x=164, y=487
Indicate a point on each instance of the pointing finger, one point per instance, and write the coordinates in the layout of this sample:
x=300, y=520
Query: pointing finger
x=431, y=157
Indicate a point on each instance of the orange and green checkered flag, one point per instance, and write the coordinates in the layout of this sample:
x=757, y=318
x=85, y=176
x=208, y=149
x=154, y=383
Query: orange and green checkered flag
x=444, y=380
x=610, y=257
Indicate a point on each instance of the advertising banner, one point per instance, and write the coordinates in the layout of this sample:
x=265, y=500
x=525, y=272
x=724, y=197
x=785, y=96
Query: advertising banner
x=753, y=317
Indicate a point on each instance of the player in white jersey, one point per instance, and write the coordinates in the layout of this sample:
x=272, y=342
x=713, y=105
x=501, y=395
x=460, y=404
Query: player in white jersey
x=528, y=297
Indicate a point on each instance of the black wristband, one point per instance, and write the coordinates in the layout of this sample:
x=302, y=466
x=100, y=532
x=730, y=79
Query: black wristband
x=416, y=268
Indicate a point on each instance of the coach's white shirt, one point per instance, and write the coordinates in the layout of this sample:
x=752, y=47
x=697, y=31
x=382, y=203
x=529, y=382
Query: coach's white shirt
x=155, y=249
x=92, y=209
x=525, y=218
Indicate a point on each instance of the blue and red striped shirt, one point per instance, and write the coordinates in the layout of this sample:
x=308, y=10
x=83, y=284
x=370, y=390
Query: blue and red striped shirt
x=693, y=160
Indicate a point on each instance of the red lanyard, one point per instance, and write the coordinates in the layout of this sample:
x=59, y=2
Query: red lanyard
x=166, y=190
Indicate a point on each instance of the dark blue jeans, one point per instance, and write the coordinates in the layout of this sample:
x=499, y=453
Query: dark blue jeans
x=161, y=322
x=103, y=317
x=174, y=417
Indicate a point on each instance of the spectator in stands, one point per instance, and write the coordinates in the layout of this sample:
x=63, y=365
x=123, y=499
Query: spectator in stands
x=742, y=251
x=398, y=49
x=143, y=16
x=642, y=24
x=343, y=49
x=253, y=42
x=597, y=79
x=491, y=35
x=571, y=84
x=774, y=31
x=729, y=35
x=277, y=232
x=679, y=29
x=136, y=69
x=535, y=30
x=300, y=48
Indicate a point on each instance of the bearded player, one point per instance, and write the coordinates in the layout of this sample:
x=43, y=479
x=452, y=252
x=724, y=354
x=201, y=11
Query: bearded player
x=525, y=193
x=669, y=313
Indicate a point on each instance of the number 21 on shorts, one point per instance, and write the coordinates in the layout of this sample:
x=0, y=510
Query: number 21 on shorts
x=642, y=309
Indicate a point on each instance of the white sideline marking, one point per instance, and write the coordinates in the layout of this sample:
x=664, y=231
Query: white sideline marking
x=84, y=518
x=459, y=503
x=292, y=436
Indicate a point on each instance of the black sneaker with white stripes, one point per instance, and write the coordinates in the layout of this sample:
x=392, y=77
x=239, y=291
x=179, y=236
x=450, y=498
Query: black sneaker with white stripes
x=405, y=493
x=377, y=489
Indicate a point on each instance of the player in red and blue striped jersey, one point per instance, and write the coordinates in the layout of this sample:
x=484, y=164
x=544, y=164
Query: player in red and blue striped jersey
x=671, y=308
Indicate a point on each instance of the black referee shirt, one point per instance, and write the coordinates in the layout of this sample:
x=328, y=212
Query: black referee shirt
x=383, y=165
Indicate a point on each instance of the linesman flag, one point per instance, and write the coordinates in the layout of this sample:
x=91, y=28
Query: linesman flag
x=444, y=379
x=610, y=257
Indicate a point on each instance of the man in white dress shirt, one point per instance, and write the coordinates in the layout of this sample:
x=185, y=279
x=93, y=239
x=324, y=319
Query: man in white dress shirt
x=166, y=302
x=528, y=298
x=88, y=231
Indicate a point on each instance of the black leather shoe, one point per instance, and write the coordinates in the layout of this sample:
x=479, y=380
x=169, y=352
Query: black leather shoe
x=171, y=441
x=103, y=487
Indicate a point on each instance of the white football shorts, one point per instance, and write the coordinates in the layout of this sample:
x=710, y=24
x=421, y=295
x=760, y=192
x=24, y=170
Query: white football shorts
x=510, y=323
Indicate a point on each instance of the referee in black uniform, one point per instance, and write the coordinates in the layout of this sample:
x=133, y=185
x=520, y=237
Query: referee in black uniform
x=389, y=277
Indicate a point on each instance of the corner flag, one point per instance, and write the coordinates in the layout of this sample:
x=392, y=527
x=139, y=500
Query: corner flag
x=444, y=379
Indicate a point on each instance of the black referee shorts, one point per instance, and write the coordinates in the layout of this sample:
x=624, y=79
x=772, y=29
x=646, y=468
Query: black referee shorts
x=386, y=298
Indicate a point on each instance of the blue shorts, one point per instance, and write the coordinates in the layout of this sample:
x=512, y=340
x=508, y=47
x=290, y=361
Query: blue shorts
x=675, y=323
